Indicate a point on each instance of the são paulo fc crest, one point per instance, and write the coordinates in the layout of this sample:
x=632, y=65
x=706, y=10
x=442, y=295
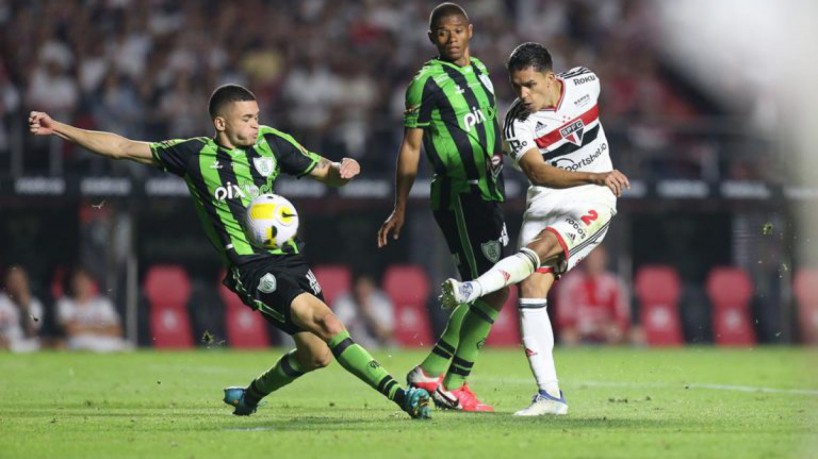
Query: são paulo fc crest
x=573, y=132
x=267, y=283
x=491, y=250
x=264, y=165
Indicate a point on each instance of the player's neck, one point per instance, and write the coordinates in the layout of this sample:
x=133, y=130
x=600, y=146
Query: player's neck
x=556, y=93
x=464, y=61
x=222, y=141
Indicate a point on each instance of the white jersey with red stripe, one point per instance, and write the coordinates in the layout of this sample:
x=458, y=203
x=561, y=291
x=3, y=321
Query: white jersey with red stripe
x=569, y=136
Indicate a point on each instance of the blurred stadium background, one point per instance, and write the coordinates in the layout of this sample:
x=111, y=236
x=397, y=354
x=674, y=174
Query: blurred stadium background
x=706, y=106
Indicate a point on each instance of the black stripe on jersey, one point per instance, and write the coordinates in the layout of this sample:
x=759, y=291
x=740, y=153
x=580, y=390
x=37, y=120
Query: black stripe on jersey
x=207, y=206
x=228, y=178
x=571, y=74
x=498, y=141
x=569, y=147
x=430, y=91
x=471, y=99
x=258, y=179
x=512, y=114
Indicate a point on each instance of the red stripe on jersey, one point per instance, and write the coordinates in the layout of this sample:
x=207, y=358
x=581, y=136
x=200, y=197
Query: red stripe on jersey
x=554, y=136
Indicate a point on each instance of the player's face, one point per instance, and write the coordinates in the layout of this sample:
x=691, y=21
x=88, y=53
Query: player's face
x=240, y=123
x=451, y=36
x=534, y=88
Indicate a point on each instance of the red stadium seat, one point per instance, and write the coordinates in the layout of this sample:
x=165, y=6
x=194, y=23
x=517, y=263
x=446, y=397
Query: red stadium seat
x=730, y=291
x=245, y=328
x=408, y=288
x=658, y=290
x=506, y=329
x=167, y=288
x=335, y=280
x=805, y=288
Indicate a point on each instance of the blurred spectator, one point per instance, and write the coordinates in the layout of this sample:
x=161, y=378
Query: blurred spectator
x=89, y=320
x=367, y=312
x=21, y=313
x=593, y=304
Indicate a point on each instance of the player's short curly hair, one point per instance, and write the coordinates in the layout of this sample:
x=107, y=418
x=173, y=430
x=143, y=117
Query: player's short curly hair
x=529, y=55
x=445, y=10
x=227, y=94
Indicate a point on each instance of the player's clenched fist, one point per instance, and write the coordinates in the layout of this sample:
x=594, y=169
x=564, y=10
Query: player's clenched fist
x=39, y=123
x=349, y=168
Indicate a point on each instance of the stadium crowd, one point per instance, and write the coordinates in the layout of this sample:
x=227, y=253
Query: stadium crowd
x=333, y=73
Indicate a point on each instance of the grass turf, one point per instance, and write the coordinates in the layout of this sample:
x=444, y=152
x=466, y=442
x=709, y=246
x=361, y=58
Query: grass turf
x=628, y=403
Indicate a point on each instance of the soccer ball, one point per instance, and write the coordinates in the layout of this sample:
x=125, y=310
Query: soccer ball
x=271, y=221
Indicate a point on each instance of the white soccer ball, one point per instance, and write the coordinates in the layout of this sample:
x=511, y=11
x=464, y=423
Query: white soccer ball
x=271, y=221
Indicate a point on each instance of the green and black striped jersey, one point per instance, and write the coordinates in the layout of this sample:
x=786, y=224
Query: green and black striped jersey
x=456, y=108
x=223, y=181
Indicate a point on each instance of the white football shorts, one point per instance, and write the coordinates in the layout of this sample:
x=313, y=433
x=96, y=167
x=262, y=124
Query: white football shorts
x=580, y=225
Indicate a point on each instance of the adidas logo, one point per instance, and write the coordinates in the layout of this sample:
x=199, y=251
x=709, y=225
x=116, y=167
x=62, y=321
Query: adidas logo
x=539, y=125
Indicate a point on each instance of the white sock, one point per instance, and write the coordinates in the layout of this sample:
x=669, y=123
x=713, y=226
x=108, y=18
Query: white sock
x=508, y=271
x=538, y=339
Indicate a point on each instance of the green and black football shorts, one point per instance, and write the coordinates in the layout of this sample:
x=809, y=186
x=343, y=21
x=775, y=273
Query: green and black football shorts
x=475, y=231
x=270, y=285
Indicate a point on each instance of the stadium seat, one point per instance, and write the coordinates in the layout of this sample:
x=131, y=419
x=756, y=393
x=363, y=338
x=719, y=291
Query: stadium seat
x=167, y=288
x=658, y=290
x=506, y=329
x=334, y=280
x=730, y=291
x=408, y=288
x=245, y=328
x=805, y=288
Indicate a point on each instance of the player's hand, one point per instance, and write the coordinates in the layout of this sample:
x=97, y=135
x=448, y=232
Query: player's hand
x=39, y=123
x=393, y=224
x=616, y=181
x=349, y=168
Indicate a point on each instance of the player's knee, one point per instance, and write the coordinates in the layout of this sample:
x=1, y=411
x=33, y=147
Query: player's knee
x=328, y=325
x=547, y=246
x=320, y=360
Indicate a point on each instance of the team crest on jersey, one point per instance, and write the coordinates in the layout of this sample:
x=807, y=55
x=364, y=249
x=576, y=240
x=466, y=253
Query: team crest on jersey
x=487, y=82
x=264, y=165
x=573, y=132
x=491, y=250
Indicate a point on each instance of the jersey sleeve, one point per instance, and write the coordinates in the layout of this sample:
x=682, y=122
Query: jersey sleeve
x=292, y=157
x=173, y=155
x=585, y=79
x=419, y=102
x=520, y=137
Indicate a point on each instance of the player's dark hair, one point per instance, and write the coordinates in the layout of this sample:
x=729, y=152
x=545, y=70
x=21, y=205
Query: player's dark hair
x=227, y=94
x=529, y=55
x=445, y=10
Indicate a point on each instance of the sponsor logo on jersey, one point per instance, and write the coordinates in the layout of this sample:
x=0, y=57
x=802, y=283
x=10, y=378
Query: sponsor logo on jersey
x=474, y=117
x=491, y=250
x=216, y=165
x=495, y=165
x=570, y=165
x=576, y=227
x=583, y=80
x=228, y=191
x=267, y=283
x=265, y=165
x=584, y=100
x=573, y=132
x=539, y=128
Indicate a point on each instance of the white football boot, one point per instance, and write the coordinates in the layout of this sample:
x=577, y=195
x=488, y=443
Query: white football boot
x=543, y=403
x=454, y=293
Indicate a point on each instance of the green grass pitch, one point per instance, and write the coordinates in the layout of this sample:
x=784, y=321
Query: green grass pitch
x=624, y=403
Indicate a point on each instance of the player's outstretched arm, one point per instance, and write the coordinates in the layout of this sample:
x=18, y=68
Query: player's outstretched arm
x=405, y=173
x=335, y=174
x=103, y=143
x=543, y=174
